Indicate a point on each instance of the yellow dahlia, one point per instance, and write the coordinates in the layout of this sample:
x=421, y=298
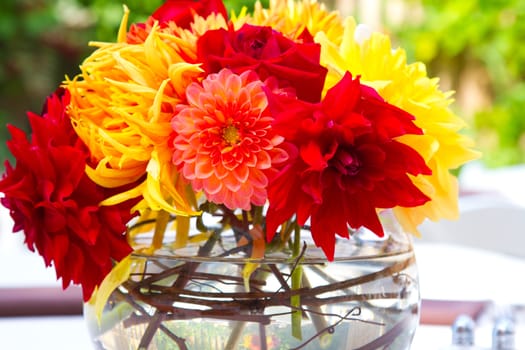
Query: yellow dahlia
x=224, y=143
x=408, y=87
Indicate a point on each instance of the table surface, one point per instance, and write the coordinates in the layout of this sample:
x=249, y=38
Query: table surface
x=69, y=332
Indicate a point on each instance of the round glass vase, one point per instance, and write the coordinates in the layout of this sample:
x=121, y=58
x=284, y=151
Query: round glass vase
x=198, y=298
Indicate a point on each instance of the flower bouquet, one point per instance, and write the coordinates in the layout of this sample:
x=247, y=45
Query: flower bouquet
x=208, y=135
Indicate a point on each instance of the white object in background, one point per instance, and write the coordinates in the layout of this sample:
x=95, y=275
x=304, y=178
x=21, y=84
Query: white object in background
x=45, y=333
x=506, y=181
x=463, y=331
x=487, y=221
x=19, y=267
x=503, y=334
x=455, y=272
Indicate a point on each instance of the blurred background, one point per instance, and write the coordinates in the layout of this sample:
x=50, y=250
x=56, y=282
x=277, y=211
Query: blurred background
x=474, y=46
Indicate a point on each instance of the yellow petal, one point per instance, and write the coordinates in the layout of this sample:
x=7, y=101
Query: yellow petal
x=122, y=31
x=118, y=275
x=124, y=196
x=183, y=231
x=158, y=183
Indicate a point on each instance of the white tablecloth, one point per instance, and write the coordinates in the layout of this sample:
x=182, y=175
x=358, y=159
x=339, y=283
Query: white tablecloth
x=44, y=333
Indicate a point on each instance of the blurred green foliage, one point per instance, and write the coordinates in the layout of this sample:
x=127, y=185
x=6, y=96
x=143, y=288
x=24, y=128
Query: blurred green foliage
x=42, y=41
x=455, y=36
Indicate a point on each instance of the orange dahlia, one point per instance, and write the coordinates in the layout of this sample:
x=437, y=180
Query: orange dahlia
x=224, y=144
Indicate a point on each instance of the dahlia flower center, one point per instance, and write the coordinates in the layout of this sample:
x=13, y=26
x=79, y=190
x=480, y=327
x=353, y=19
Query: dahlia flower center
x=346, y=162
x=255, y=40
x=231, y=135
x=256, y=45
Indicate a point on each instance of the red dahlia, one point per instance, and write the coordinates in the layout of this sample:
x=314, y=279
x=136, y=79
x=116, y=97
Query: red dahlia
x=268, y=53
x=53, y=201
x=348, y=163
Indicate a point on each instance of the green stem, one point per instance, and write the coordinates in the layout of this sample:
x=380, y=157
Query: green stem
x=296, y=241
x=257, y=214
x=319, y=320
x=297, y=275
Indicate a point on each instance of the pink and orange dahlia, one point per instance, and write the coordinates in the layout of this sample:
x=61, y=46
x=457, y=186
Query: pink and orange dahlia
x=224, y=143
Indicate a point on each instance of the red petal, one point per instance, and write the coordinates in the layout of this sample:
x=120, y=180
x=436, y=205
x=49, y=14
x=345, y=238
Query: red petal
x=182, y=11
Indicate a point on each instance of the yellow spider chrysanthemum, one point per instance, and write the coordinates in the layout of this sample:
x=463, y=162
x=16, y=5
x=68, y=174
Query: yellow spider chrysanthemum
x=291, y=17
x=199, y=26
x=183, y=40
x=121, y=107
x=408, y=87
